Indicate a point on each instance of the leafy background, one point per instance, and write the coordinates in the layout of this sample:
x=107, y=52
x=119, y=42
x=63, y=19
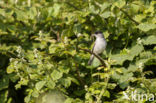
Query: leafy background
x=40, y=51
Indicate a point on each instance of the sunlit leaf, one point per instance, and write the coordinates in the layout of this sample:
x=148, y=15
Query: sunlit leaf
x=149, y=40
x=3, y=96
x=39, y=85
x=106, y=93
x=120, y=3
x=134, y=51
x=56, y=75
x=146, y=26
x=106, y=14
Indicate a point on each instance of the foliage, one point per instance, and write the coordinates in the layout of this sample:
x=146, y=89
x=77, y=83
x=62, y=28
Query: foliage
x=40, y=49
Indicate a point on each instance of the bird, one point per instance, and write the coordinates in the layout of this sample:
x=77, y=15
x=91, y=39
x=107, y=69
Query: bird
x=99, y=45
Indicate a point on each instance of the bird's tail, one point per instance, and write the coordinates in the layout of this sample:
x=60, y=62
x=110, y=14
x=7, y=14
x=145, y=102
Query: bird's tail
x=91, y=60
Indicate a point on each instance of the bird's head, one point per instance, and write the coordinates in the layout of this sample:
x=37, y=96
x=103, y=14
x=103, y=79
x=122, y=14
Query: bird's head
x=98, y=34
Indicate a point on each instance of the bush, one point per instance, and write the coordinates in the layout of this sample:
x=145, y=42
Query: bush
x=44, y=44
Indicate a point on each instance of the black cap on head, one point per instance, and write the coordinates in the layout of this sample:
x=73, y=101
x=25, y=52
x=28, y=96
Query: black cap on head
x=98, y=32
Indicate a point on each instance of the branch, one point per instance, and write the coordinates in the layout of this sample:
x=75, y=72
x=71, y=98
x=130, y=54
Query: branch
x=105, y=64
x=53, y=30
x=57, y=34
x=137, y=23
x=72, y=5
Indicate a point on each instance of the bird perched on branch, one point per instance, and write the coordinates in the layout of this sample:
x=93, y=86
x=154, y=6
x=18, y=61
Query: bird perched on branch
x=99, y=45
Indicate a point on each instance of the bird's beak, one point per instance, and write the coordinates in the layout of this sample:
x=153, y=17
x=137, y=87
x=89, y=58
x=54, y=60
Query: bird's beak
x=92, y=35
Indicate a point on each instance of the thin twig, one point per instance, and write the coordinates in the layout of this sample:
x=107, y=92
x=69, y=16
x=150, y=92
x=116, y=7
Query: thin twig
x=137, y=23
x=72, y=5
x=58, y=36
x=53, y=30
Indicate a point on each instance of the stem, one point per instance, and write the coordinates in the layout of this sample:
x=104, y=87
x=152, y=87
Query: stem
x=103, y=91
x=104, y=63
x=72, y=5
x=127, y=41
x=16, y=1
x=29, y=3
x=137, y=23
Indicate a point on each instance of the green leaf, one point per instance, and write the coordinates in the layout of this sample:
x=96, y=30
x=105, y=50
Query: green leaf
x=146, y=55
x=134, y=7
x=74, y=80
x=64, y=69
x=32, y=13
x=97, y=91
x=124, y=78
x=107, y=94
x=134, y=51
x=3, y=96
x=106, y=14
x=123, y=85
x=96, y=62
x=27, y=99
x=39, y=85
x=106, y=34
x=35, y=93
x=79, y=92
x=51, y=84
x=69, y=100
x=11, y=28
x=77, y=28
x=21, y=15
x=149, y=40
x=52, y=48
x=150, y=9
x=92, y=9
x=66, y=82
x=54, y=10
x=132, y=68
x=10, y=68
x=119, y=58
x=120, y=3
x=146, y=26
x=105, y=5
x=56, y=75
x=139, y=17
x=23, y=81
x=112, y=85
x=57, y=8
